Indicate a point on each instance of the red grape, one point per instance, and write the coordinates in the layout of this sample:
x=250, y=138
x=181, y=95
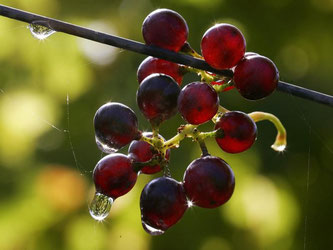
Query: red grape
x=114, y=175
x=115, y=125
x=239, y=130
x=198, y=103
x=155, y=65
x=157, y=98
x=141, y=151
x=209, y=182
x=162, y=203
x=166, y=29
x=256, y=77
x=223, y=46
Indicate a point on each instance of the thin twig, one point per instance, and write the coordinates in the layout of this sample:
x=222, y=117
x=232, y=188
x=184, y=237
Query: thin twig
x=141, y=48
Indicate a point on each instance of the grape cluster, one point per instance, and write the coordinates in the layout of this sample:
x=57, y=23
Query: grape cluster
x=208, y=181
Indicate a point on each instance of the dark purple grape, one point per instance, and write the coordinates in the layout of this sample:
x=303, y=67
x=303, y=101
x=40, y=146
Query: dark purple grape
x=256, y=77
x=209, y=182
x=198, y=103
x=239, y=130
x=153, y=65
x=166, y=29
x=114, y=175
x=157, y=98
x=223, y=46
x=162, y=203
x=141, y=151
x=115, y=125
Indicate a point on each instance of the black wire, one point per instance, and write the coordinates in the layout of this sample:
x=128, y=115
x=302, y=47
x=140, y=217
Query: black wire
x=141, y=48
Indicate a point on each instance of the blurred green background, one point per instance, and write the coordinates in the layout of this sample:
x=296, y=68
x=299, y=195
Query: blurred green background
x=281, y=201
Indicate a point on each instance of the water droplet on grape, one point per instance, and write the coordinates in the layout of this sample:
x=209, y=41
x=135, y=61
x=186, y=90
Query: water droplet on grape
x=100, y=206
x=39, y=31
x=105, y=148
x=151, y=230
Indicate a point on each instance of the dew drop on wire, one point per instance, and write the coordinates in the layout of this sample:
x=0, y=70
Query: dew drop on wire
x=100, y=206
x=39, y=31
x=151, y=230
x=105, y=148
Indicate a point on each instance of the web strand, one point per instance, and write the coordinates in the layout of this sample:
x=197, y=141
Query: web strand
x=307, y=192
x=82, y=171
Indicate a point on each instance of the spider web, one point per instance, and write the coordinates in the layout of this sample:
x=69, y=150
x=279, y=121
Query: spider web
x=66, y=131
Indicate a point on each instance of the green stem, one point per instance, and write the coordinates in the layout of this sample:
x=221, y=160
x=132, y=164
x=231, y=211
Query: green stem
x=220, y=88
x=221, y=111
x=155, y=130
x=281, y=137
x=157, y=141
x=203, y=147
x=183, y=131
x=205, y=77
x=147, y=139
x=156, y=160
x=188, y=50
x=162, y=147
x=216, y=133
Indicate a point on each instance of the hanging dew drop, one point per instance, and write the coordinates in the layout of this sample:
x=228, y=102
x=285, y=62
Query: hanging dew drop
x=151, y=230
x=279, y=148
x=105, y=148
x=100, y=206
x=39, y=31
